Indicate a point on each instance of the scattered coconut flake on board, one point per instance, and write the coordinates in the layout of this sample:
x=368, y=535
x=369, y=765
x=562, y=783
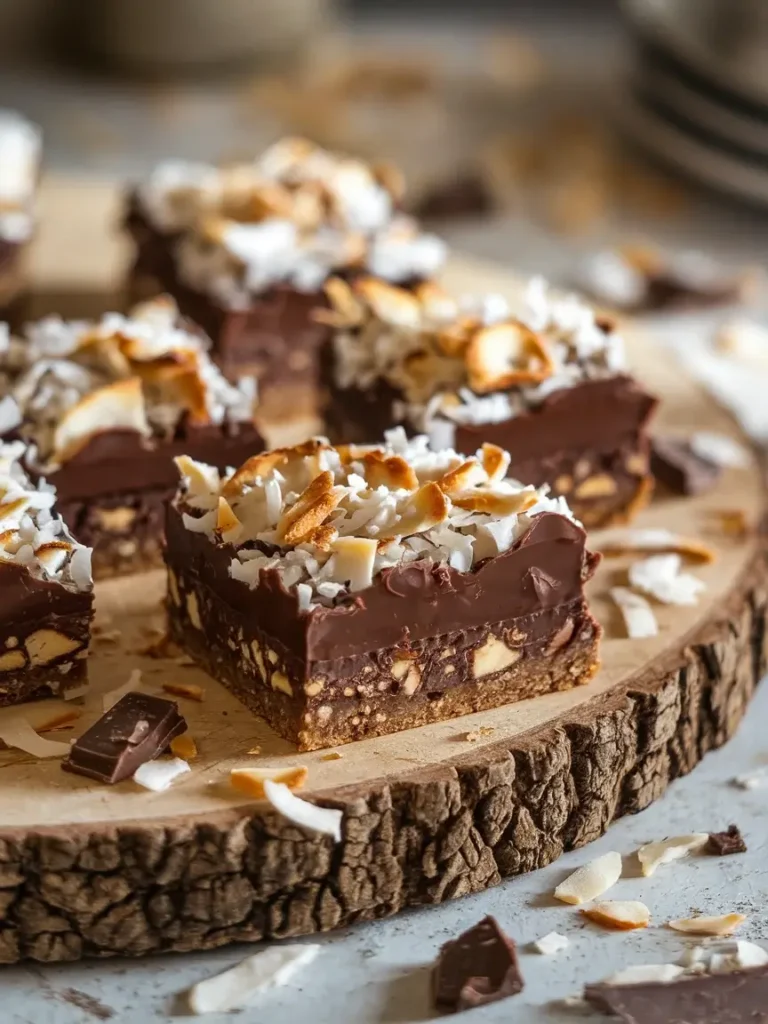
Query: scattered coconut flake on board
x=184, y=747
x=73, y=692
x=111, y=697
x=591, y=880
x=720, y=450
x=256, y=974
x=189, y=690
x=645, y=974
x=723, y=924
x=20, y=735
x=620, y=915
x=638, y=615
x=615, y=542
x=652, y=855
x=551, y=943
x=660, y=576
x=301, y=812
x=59, y=720
x=158, y=775
x=251, y=780
x=752, y=780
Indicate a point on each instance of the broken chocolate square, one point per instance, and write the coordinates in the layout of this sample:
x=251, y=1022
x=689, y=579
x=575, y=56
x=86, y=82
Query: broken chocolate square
x=104, y=407
x=477, y=968
x=723, y=844
x=350, y=592
x=245, y=251
x=544, y=379
x=46, y=590
x=740, y=997
x=134, y=730
x=678, y=468
x=19, y=159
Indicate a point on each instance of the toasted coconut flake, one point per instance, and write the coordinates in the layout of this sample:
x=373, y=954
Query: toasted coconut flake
x=629, y=541
x=318, y=819
x=333, y=755
x=19, y=734
x=480, y=733
x=653, y=855
x=226, y=520
x=117, y=406
x=660, y=576
x=428, y=507
x=202, y=478
x=620, y=915
x=637, y=613
x=299, y=528
x=111, y=697
x=646, y=974
x=189, y=690
x=158, y=775
x=591, y=880
x=722, y=925
x=184, y=747
x=550, y=944
x=495, y=461
x=392, y=472
x=393, y=305
x=720, y=450
x=504, y=355
x=496, y=504
x=256, y=974
x=59, y=720
x=251, y=780
x=462, y=477
x=258, y=467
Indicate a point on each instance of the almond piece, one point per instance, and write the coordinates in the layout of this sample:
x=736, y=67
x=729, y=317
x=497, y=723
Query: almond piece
x=184, y=747
x=722, y=925
x=591, y=880
x=117, y=406
x=189, y=690
x=652, y=855
x=620, y=915
x=504, y=355
x=251, y=780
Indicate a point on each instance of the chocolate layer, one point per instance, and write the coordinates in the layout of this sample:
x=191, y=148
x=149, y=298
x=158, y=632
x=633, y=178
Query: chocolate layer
x=588, y=442
x=44, y=635
x=738, y=998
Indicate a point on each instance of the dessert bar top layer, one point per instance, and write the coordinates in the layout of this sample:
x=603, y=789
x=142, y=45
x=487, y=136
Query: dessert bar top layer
x=20, y=144
x=66, y=382
x=328, y=522
x=466, y=361
x=295, y=215
x=34, y=542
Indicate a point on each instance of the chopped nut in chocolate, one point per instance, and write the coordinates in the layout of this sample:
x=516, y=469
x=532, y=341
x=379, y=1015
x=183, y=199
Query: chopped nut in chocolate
x=723, y=844
x=477, y=968
x=104, y=406
x=544, y=379
x=356, y=591
x=46, y=590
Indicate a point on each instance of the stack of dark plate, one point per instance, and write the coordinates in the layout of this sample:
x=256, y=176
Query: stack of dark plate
x=699, y=89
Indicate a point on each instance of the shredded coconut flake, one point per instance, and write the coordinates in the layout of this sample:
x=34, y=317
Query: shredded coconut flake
x=653, y=855
x=591, y=880
x=646, y=974
x=637, y=613
x=256, y=974
x=550, y=944
x=318, y=819
x=660, y=576
x=158, y=775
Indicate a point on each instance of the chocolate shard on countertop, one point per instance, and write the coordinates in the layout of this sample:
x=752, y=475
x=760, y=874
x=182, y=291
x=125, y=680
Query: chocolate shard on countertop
x=722, y=844
x=477, y=968
x=135, y=730
x=677, y=467
x=737, y=998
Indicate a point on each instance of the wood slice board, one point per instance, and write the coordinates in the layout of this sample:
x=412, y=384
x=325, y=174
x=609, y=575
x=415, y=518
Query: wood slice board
x=87, y=869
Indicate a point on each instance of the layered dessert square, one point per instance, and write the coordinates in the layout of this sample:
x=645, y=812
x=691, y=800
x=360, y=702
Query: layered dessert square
x=543, y=378
x=246, y=249
x=19, y=160
x=349, y=592
x=104, y=407
x=46, y=590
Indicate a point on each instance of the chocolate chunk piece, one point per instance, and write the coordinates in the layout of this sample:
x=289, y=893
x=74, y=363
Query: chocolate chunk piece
x=464, y=195
x=737, y=998
x=677, y=467
x=136, y=729
x=477, y=968
x=722, y=844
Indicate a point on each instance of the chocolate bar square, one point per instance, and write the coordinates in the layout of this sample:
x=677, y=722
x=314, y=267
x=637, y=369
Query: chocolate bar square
x=46, y=590
x=351, y=592
x=105, y=406
x=245, y=251
x=20, y=145
x=544, y=379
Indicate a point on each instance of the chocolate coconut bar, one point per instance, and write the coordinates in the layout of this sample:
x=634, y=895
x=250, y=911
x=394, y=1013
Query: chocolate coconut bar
x=104, y=407
x=46, y=591
x=19, y=159
x=350, y=592
x=544, y=379
x=245, y=251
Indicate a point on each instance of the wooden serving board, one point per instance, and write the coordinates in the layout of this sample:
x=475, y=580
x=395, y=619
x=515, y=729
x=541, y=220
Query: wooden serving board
x=87, y=869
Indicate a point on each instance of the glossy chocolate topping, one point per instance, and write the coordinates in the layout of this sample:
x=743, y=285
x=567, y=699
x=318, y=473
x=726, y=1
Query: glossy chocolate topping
x=32, y=601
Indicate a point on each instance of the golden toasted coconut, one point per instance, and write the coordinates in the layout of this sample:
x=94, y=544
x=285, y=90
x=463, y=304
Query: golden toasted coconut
x=393, y=305
x=303, y=526
x=225, y=518
x=459, y=479
x=346, y=309
x=428, y=507
x=504, y=355
x=435, y=302
x=392, y=471
x=453, y=339
x=323, y=537
x=496, y=504
x=260, y=466
x=117, y=406
x=14, y=507
x=201, y=476
x=495, y=461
